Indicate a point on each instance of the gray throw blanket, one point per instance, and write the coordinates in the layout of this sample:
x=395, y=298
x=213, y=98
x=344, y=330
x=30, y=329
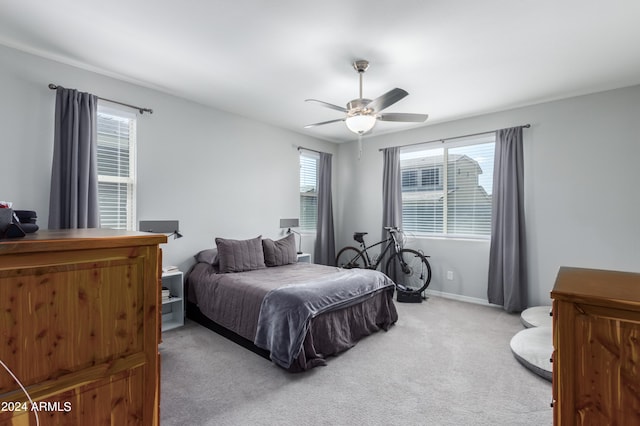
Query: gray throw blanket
x=286, y=312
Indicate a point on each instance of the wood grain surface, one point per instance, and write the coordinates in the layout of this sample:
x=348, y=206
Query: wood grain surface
x=79, y=328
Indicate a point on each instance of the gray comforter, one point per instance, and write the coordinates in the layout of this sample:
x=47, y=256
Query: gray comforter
x=235, y=301
x=286, y=312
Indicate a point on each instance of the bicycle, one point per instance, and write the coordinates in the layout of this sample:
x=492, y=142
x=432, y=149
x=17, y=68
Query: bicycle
x=409, y=268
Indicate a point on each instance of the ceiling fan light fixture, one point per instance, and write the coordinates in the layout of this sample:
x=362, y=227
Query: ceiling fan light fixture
x=360, y=124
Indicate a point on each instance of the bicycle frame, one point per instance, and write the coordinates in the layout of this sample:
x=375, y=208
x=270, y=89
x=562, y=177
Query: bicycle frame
x=393, y=242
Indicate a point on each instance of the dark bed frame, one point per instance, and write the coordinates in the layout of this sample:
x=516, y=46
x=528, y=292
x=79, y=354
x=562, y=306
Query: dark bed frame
x=194, y=313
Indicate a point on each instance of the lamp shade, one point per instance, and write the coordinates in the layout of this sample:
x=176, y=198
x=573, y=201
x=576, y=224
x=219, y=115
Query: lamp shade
x=360, y=124
x=159, y=226
x=289, y=223
x=169, y=227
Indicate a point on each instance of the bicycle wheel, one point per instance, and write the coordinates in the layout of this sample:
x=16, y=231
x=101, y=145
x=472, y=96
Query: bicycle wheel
x=350, y=257
x=410, y=270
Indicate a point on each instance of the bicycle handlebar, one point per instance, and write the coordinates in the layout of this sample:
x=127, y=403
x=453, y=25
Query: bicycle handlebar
x=392, y=229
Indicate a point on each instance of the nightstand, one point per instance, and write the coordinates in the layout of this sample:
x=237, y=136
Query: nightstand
x=173, y=307
x=304, y=258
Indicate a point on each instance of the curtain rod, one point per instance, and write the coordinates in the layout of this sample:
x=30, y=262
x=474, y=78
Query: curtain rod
x=525, y=126
x=309, y=149
x=140, y=109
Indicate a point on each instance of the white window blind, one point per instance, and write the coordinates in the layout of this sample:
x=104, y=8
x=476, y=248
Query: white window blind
x=308, y=191
x=116, y=168
x=446, y=189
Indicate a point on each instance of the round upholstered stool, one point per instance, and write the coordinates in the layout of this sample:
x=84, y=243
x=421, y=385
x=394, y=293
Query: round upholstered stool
x=533, y=347
x=538, y=316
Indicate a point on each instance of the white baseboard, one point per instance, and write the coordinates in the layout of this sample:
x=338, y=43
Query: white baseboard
x=460, y=298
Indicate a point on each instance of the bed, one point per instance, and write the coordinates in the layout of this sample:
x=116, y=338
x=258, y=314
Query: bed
x=296, y=314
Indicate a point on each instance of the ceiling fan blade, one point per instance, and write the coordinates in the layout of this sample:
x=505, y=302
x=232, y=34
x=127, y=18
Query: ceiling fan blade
x=405, y=117
x=328, y=105
x=386, y=100
x=324, y=122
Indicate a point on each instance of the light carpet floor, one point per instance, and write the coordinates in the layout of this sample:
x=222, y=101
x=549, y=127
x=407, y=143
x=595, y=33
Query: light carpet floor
x=444, y=363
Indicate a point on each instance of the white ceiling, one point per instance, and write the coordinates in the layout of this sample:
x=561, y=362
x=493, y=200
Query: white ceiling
x=262, y=59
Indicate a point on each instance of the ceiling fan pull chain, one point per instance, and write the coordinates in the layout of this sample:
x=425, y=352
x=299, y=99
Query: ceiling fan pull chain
x=359, y=146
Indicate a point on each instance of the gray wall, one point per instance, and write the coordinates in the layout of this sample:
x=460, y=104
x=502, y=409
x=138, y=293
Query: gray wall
x=581, y=191
x=219, y=174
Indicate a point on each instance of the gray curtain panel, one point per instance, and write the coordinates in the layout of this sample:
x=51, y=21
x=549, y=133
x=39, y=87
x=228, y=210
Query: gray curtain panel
x=391, y=195
x=73, y=202
x=507, y=256
x=325, y=247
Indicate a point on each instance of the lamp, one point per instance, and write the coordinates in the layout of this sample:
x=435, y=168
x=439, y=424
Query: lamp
x=292, y=223
x=360, y=123
x=169, y=227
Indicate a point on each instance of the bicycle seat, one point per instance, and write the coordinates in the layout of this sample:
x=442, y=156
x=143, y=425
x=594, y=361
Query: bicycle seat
x=358, y=236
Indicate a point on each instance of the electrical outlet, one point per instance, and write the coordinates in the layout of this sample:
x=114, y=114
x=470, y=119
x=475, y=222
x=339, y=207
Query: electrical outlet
x=450, y=275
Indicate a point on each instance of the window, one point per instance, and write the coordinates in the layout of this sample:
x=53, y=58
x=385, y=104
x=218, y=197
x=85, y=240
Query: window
x=409, y=179
x=446, y=189
x=308, y=191
x=431, y=177
x=420, y=177
x=116, y=168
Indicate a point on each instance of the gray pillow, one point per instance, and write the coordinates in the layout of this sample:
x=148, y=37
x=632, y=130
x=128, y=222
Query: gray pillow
x=280, y=252
x=240, y=255
x=208, y=256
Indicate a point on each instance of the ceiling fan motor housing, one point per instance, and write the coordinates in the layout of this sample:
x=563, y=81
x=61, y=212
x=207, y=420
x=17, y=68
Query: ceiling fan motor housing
x=361, y=66
x=359, y=107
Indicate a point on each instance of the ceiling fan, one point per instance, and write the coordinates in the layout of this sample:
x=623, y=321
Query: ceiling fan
x=361, y=114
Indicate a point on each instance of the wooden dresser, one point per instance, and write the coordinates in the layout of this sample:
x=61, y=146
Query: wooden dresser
x=596, y=338
x=79, y=328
